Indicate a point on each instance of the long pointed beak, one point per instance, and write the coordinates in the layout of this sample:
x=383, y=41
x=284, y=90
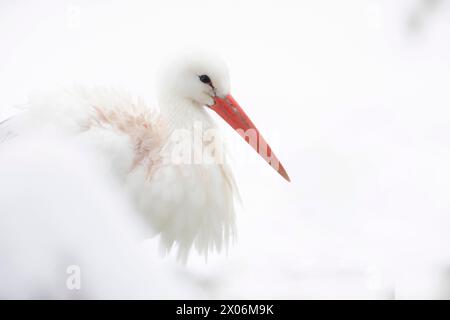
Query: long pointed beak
x=233, y=114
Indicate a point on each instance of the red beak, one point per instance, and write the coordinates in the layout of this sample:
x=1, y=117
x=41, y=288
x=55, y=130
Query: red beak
x=233, y=114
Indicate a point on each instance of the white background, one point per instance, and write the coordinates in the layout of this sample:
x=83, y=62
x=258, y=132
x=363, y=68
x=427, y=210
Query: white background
x=352, y=95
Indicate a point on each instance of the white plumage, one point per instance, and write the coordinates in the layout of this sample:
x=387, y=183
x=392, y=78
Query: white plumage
x=59, y=209
x=169, y=159
x=186, y=204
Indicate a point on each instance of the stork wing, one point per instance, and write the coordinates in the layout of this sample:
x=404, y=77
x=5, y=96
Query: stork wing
x=123, y=131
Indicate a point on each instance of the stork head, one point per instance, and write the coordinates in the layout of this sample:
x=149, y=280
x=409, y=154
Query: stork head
x=203, y=80
x=196, y=77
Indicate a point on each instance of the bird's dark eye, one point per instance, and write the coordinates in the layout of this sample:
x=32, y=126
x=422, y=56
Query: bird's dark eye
x=204, y=78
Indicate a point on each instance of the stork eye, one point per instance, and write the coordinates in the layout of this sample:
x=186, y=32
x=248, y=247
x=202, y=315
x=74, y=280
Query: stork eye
x=205, y=79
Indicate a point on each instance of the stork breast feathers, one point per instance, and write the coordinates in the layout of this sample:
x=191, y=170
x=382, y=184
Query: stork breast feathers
x=188, y=205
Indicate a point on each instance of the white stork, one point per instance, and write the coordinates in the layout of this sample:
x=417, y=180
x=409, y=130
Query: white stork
x=185, y=197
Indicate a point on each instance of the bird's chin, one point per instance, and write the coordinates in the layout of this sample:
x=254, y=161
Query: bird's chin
x=209, y=104
x=209, y=101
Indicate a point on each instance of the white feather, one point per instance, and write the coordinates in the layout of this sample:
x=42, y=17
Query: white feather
x=59, y=208
x=185, y=204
